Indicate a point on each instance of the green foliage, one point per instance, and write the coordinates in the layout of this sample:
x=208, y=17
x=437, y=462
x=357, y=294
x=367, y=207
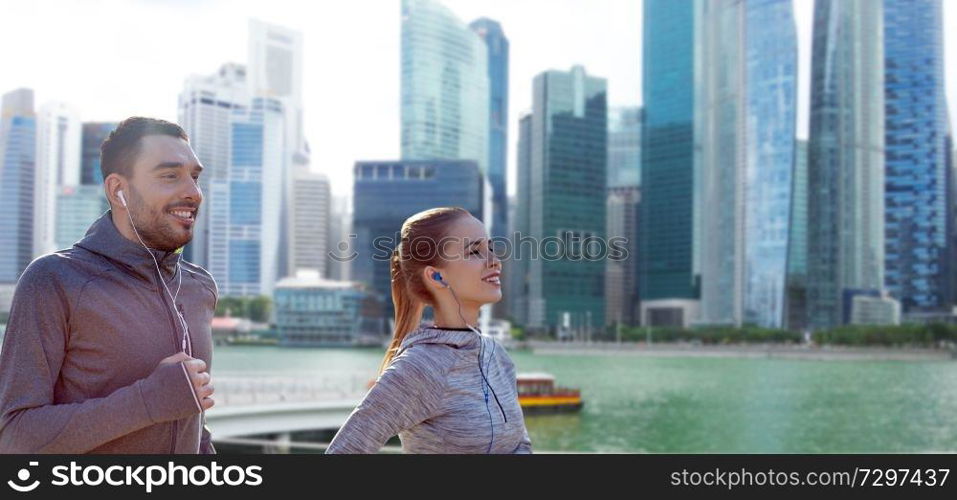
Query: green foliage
x=909, y=335
x=518, y=333
x=711, y=335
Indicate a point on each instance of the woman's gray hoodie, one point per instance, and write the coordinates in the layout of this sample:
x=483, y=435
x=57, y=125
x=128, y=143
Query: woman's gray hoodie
x=431, y=396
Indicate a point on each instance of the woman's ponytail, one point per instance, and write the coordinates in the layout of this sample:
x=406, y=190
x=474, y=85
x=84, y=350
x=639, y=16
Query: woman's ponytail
x=408, y=310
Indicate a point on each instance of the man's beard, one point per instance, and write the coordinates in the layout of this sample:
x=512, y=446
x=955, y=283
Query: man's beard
x=155, y=228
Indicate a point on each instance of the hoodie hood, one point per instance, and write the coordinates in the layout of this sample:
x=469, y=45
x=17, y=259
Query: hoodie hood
x=459, y=339
x=103, y=238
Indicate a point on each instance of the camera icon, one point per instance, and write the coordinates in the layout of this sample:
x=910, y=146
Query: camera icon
x=23, y=475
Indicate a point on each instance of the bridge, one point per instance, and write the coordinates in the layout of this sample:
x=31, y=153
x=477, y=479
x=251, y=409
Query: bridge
x=274, y=418
x=250, y=407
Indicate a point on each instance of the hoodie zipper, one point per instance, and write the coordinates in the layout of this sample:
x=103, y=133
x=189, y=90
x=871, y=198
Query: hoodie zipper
x=486, y=381
x=172, y=324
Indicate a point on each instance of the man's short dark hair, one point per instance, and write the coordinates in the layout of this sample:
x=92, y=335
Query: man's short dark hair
x=118, y=152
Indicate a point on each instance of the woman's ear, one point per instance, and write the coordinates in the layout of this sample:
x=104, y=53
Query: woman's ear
x=433, y=277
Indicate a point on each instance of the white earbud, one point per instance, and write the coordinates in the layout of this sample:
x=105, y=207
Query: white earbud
x=122, y=199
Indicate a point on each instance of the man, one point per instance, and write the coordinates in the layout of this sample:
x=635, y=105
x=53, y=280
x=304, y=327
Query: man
x=96, y=358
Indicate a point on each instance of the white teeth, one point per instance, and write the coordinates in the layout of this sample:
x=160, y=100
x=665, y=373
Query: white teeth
x=182, y=214
x=492, y=279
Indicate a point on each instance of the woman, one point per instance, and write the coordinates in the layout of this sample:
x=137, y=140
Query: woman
x=443, y=388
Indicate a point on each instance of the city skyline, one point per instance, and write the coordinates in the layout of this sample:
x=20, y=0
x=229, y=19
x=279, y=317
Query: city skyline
x=578, y=33
x=718, y=129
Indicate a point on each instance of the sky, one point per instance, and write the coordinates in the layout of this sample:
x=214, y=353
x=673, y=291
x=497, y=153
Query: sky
x=111, y=59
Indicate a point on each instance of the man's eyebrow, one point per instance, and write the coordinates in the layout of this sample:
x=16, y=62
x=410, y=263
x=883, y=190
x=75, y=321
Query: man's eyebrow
x=173, y=164
x=476, y=242
x=167, y=164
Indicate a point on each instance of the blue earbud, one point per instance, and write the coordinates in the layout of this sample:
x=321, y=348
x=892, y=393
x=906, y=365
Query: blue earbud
x=437, y=276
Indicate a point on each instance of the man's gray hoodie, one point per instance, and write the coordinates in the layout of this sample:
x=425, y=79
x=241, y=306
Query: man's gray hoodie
x=87, y=327
x=431, y=395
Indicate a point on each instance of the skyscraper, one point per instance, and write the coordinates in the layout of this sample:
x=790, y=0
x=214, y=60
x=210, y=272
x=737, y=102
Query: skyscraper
x=748, y=117
x=669, y=282
x=516, y=267
x=621, y=275
x=94, y=133
x=916, y=155
x=845, y=158
x=246, y=126
x=497, y=48
x=951, y=268
x=244, y=205
x=57, y=164
x=566, y=201
x=206, y=107
x=623, y=205
x=445, y=86
x=796, y=304
x=17, y=177
x=312, y=206
x=275, y=72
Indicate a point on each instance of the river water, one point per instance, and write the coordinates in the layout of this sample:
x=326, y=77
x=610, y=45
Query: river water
x=692, y=404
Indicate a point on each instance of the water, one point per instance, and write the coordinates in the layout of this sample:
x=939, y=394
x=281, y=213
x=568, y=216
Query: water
x=694, y=404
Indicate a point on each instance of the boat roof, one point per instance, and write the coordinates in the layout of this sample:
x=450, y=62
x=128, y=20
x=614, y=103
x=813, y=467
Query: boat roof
x=535, y=376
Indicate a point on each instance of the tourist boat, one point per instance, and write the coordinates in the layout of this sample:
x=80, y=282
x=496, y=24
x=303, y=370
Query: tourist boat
x=537, y=394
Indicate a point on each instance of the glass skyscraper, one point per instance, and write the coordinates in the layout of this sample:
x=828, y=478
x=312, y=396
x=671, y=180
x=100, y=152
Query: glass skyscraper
x=445, y=86
x=622, y=217
x=669, y=287
x=497, y=47
x=951, y=267
x=845, y=158
x=797, y=244
x=17, y=172
x=749, y=75
x=771, y=98
x=244, y=204
x=916, y=153
x=516, y=270
x=566, y=200
x=722, y=137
